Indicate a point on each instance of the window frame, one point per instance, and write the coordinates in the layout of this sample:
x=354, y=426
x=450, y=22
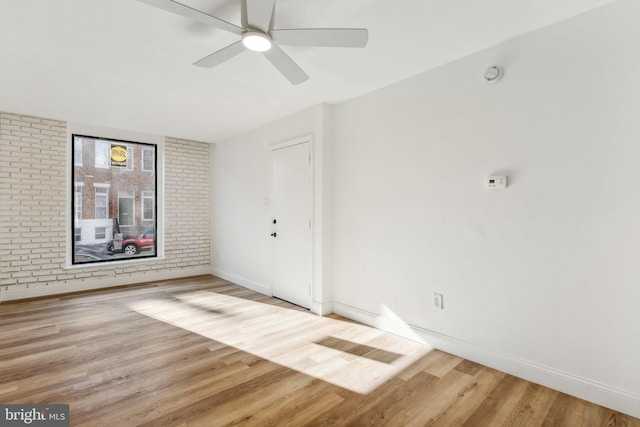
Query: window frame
x=77, y=172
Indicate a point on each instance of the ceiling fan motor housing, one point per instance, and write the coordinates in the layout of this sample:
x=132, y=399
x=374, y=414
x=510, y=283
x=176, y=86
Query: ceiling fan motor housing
x=256, y=40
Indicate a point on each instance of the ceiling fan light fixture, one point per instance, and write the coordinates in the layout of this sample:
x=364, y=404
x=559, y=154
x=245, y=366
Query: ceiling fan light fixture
x=256, y=41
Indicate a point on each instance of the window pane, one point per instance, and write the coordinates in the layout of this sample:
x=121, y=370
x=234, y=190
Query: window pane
x=129, y=158
x=102, y=154
x=77, y=154
x=148, y=203
x=77, y=200
x=147, y=160
x=102, y=202
x=114, y=200
x=100, y=232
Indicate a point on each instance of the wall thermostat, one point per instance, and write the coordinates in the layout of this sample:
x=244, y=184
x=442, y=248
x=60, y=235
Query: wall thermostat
x=496, y=182
x=493, y=74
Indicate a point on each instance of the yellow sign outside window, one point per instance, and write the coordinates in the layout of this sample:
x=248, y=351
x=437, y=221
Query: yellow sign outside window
x=118, y=154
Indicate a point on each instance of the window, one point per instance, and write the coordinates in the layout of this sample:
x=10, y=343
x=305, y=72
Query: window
x=148, y=205
x=102, y=202
x=129, y=158
x=77, y=200
x=77, y=155
x=101, y=233
x=148, y=162
x=113, y=212
x=101, y=154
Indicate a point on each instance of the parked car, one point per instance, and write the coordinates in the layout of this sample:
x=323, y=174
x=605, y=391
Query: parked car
x=132, y=245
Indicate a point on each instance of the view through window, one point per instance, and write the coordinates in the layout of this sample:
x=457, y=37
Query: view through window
x=114, y=204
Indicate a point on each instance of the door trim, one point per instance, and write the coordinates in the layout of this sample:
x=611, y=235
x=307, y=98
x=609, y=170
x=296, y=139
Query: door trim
x=293, y=142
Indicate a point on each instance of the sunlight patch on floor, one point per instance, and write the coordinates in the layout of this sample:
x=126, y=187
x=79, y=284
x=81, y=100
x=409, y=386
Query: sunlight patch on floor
x=353, y=356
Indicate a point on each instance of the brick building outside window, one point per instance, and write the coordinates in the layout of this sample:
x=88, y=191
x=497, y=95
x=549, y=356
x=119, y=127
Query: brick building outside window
x=111, y=197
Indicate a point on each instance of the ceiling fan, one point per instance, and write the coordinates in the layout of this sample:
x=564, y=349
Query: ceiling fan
x=258, y=35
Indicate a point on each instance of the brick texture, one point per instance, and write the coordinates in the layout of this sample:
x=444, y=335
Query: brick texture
x=33, y=213
x=187, y=207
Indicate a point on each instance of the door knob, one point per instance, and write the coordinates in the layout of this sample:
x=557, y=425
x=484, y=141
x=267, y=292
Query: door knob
x=273, y=234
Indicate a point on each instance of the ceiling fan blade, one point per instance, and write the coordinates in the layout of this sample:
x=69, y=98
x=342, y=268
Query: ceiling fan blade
x=285, y=65
x=220, y=56
x=260, y=14
x=322, y=37
x=189, y=12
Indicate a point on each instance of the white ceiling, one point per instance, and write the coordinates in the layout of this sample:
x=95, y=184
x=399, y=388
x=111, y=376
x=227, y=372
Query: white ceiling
x=126, y=65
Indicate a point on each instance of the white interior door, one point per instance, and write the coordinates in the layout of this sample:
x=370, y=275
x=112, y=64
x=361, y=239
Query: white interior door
x=291, y=229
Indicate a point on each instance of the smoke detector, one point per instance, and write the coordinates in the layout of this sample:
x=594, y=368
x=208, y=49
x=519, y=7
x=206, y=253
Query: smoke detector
x=493, y=74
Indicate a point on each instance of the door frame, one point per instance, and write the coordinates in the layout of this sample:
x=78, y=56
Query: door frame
x=311, y=207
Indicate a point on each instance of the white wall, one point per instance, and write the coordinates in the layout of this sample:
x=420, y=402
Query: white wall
x=541, y=279
x=241, y=212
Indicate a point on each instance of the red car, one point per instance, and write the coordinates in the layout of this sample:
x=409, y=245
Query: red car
x=132, y=245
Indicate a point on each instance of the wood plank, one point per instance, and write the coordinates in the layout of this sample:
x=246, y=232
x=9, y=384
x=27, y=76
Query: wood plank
x=469, y=399
x=499, y=404
x=205, y=352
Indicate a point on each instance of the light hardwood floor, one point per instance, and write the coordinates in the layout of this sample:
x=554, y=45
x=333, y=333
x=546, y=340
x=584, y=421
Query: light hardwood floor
x=205, y=352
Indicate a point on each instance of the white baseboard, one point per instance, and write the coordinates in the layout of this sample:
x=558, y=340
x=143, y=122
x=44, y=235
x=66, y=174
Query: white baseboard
x=65, y=287
x=242, y=281
x=321, y=308
x=584, y=388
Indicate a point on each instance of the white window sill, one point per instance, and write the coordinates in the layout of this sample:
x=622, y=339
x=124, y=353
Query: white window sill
x=118, y=263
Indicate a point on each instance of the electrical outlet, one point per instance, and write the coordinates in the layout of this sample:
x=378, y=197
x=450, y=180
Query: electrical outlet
x=438, y=302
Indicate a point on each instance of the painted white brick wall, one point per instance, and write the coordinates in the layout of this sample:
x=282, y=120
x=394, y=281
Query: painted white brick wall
x=32, y=204
x=33, y=214
x=187, y=206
